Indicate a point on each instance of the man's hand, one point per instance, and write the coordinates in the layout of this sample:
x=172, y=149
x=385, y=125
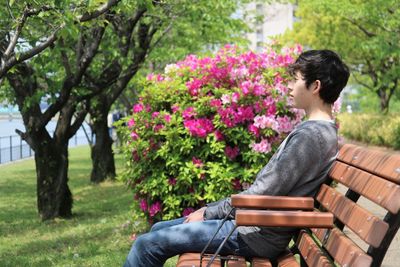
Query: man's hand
x=196, y=216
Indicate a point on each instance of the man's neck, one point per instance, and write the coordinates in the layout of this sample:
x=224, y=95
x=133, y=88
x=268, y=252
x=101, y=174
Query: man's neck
x=320, y=112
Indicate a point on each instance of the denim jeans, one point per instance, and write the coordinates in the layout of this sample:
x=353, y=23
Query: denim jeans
x=169, y=238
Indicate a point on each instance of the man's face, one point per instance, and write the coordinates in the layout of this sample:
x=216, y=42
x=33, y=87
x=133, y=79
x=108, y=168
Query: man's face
x=298, y=91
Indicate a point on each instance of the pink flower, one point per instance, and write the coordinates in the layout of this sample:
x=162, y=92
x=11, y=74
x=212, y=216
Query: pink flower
x=135, y=156
x=155, y=115
x=337, y=105
x=283, y=125
x=131, y=123
x=167, y=118
x=254, y=130
x=189, y=113
x=219, y=135
x=137, y=108
x=187, y=211
x=199, y=127
x=226, y=99
x=231, y=152
x=263, y=147
x=263, y=122
x=197, y=162
x=216, y=103
x=194, y=86
x=134, y=136
x=174, y=108
x=158, y=127
x=236, y=184
x=172, y=181
x=143, y=205
x=155, y=208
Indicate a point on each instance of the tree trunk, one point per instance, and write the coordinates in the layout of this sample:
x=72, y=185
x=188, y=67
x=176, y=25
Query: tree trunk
x=384, y=100
x=101, y=151
x=54, y=199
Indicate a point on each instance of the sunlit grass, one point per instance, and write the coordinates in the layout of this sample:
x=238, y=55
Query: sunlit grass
x=97, y=235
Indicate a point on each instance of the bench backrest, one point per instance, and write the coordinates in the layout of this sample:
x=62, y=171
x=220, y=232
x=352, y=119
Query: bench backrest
x=369, y=174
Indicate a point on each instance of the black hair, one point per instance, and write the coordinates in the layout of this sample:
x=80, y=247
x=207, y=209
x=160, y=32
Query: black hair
x=325, y=66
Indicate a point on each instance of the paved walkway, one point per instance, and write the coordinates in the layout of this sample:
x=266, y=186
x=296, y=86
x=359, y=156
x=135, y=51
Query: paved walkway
x=392, y=258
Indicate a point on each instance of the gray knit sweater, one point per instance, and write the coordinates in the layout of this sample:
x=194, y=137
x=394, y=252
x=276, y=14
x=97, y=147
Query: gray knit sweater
x=298, y=168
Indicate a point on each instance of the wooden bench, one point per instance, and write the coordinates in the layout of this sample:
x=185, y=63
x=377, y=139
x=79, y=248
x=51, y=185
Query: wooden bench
x=357, y=236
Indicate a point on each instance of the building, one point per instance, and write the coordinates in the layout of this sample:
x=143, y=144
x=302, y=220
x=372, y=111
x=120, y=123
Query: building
x=267, y=20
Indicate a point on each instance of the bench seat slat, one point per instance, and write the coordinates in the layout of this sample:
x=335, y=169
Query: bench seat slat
x=311, y=252
x=237, y=262
x=368, y=227
x=345, y=251
x=193, y=260
x=376, y=189
x=381, y=163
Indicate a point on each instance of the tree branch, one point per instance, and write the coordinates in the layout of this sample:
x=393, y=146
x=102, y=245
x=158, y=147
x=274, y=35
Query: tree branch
x=365, y=31
x=11, y=62
x=101, y=10
x=64, y=59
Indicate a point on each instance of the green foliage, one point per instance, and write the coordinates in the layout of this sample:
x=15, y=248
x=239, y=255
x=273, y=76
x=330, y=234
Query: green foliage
x=381, y=130
x=194, y=137
x=364, y=33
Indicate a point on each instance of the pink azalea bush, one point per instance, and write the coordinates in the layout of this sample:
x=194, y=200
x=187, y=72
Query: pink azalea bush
x=204, y=128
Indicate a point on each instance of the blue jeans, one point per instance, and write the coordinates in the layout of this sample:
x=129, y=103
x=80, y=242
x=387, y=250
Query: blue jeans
x=169, y=238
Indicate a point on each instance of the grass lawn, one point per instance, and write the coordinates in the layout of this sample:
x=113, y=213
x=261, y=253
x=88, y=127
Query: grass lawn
x=97, y=235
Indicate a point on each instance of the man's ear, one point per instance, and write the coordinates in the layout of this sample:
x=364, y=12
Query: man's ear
x=316, y=86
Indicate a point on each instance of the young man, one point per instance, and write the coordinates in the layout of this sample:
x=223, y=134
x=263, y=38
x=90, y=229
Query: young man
x=298, y=168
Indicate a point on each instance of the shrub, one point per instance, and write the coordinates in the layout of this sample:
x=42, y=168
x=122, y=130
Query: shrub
x=375, y=129
x=204, y=128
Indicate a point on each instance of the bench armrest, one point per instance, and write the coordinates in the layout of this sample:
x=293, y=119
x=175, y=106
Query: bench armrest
x=273, y=218
x=272, y=202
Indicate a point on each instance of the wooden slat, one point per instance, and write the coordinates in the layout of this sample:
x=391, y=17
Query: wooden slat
x=271, y=218
x=384, y=164
x=344, y=251
x=272, y=202
x=260, y=262
x=311, y=252
x=368, y=227
x=193, y=260
x=236, y=262
x=288, y=261
x=383, y=192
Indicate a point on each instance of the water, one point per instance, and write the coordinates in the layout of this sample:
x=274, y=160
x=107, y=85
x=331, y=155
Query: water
x=13, y=148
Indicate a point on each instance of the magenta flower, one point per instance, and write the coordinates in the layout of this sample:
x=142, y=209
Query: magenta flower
x=263, y=147
x=137, y=108
x=155, y=115
x=174, y=108
x=194, y=86
x=219, y=135
x=155, y=208
x=158, y=127
x=172, y=181
x=197, y=162
x=167, y=118
x=134, y=136
x=187, y=211
x=236, y=184
x=188, y=113
x=143, y=205
x=131, y=123
x=199, y=127
x=231, y=152
x=216, y=103
x=254, y=130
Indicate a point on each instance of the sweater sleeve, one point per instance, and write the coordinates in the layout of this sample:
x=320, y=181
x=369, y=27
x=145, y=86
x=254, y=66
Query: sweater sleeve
x=300, y=157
